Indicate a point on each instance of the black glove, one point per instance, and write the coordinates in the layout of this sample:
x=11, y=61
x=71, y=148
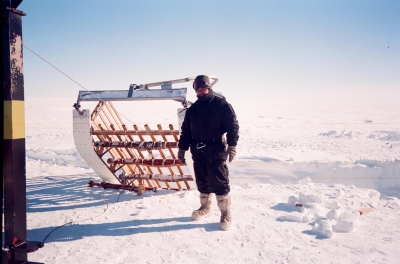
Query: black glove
x=231, y=152
x=181, y=156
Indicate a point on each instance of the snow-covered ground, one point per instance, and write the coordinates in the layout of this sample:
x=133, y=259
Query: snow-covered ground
x=331, y=157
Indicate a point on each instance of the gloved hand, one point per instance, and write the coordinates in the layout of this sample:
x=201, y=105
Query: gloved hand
x=231, y=152
x=181, y=156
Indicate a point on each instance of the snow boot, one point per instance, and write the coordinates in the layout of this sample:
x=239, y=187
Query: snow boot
x=224, y=204
x=205, y=208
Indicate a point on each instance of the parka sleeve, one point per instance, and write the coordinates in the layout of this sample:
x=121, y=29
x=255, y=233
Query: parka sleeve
x=186, y=134
x=231, y=125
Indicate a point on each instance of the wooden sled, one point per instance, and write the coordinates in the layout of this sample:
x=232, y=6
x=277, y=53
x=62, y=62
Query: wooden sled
x=132, y=158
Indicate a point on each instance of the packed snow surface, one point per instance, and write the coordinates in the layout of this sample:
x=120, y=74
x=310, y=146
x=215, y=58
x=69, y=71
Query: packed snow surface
x=302, y=173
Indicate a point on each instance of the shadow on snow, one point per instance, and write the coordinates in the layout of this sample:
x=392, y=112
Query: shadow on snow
x=122, y=228
x=55, y=193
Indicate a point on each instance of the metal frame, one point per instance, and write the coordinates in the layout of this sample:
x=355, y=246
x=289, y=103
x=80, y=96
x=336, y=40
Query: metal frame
x=141, y=92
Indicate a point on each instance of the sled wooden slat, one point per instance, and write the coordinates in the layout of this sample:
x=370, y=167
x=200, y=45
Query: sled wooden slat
x=148, y=162
x=161, y=177
x=131, y=144
x=135, y=132
x=171, y=127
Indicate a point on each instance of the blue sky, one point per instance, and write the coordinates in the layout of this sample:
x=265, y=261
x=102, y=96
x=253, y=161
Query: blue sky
x=257, y=49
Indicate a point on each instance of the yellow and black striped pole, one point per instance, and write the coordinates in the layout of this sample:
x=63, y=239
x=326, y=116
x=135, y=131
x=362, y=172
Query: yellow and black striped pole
x=14, y=173
x=15, y=241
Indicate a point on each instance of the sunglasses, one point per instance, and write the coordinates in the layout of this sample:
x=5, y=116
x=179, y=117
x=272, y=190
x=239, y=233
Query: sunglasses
x=201, y=84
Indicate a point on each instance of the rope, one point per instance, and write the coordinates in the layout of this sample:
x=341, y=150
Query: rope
x=54, y=67
x=104, y=200
x=67, y=76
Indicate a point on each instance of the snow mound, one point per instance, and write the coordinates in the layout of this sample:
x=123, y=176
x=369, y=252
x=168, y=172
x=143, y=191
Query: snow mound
x=323, y=228
x=347, y=221
x=385, y=135
x=341, y=135
x=331, y=210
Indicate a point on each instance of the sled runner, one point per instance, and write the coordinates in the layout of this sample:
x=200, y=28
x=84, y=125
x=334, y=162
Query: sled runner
x=132, y=157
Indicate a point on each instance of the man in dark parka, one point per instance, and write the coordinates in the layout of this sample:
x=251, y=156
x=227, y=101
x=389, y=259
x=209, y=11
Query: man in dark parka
x=203, y=129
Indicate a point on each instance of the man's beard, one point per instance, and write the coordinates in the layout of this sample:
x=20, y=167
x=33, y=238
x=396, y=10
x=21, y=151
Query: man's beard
x=204, y=97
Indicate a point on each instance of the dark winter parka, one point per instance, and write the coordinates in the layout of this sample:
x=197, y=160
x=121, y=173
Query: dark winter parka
x=206, y=121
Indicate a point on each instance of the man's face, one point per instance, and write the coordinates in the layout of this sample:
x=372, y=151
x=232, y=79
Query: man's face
x=202, y=91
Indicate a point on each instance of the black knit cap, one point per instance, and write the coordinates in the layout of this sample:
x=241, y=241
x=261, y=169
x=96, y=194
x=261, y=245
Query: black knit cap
x=202, y=81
